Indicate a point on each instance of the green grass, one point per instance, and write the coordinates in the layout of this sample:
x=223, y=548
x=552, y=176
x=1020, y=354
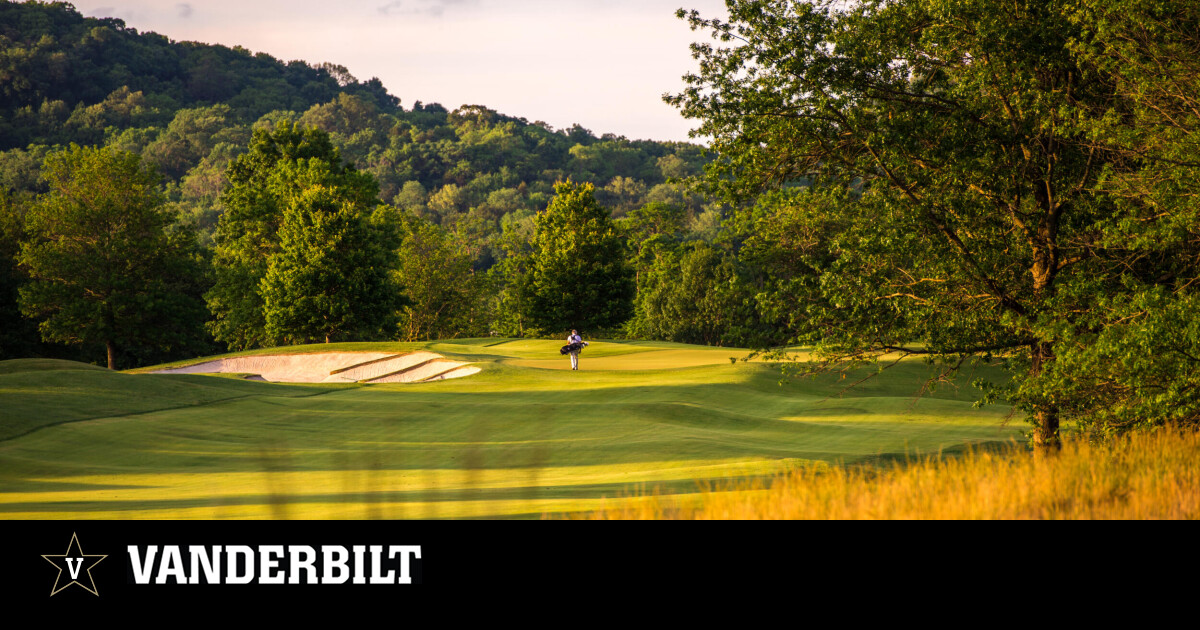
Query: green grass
x=524, y=437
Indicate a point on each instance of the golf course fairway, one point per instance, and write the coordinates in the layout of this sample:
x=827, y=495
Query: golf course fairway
x=523, y=437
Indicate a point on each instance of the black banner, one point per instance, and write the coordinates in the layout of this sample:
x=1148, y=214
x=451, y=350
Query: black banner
x=101, y=564
x=472, y=567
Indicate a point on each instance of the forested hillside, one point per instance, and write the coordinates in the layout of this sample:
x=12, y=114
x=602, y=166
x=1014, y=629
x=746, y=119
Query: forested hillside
x=188, y=109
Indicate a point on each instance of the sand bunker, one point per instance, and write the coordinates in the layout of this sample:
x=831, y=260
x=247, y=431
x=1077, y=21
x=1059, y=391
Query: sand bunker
x=337, y=367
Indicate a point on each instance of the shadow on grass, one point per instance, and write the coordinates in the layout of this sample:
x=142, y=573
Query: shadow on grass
x=366, y=435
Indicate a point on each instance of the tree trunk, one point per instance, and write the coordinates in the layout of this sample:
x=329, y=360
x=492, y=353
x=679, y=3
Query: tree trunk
x=1045, y=265
x=112, y=354
x=1045, y=434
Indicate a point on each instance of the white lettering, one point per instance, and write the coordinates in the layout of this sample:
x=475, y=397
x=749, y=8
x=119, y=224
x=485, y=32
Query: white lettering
x=343, y=571
x=210, y=564
x=358, y=564
x=269, y=567
x=376, y=557
x=141, y=570
x=405, y=551
x=242, y=563
x=245, y=552
x=74, y=567
x=310, y=557
x=171, y=565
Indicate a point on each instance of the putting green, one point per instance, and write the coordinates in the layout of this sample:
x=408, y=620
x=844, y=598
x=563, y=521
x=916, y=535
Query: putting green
x=515, y=440
x=600, y=356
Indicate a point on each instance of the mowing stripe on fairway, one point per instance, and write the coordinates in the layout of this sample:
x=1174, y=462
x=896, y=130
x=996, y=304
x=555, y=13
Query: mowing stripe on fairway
x=511, y=441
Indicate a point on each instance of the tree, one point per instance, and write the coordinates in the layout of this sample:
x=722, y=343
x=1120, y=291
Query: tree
x=648, y=229
x=577, y=276
x=190, y=137
x=690, y=294
x=329, y=278
x=625, y=194
x=104, y=267
x=783, y=252
x=510, y=276
x=983, y=228
x=18, y=335
x=1136, y=361
x=279, y=171
x=446, y=293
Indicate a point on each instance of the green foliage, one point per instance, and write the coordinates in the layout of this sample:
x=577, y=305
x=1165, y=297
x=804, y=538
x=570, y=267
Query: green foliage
x=18, y=335
x=650, y=229
x=785, y=249
x=189, y=108
x=1134, y=359
x=282, y=171
x=691, y=294
x=509, y=277
x=577, y=276
x=987, y=224
x=191, y=136
x=21, y=169
x=69, y=77
x=693, y=291
x=329, y=279
x=448, y=298
x=104, y=267
x=354, y=124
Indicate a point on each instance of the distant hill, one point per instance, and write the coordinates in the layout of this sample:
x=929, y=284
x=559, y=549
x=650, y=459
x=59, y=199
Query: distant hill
x=65, y=77
x=188, y=108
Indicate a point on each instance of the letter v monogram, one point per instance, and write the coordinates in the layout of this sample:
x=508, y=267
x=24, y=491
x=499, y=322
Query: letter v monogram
x=74, y=567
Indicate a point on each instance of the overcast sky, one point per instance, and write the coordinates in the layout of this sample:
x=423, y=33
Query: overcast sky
x=601, y=63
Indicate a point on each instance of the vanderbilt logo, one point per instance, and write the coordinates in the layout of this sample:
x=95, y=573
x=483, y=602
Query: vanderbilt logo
x=273, y=564
x=74, y=567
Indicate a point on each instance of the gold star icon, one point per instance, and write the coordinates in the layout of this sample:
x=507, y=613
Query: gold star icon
x=75, y=563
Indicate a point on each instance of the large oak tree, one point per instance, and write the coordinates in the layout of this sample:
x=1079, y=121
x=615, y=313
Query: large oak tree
x=104, y=265
x=964, y=142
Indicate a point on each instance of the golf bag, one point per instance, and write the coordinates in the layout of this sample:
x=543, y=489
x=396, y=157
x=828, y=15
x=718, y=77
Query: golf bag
x=572, y=347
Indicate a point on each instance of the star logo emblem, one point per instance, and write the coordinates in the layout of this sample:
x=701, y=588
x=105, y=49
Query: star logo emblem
x=75, y=567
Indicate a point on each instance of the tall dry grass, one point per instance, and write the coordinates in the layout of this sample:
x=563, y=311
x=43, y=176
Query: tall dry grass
x=1144, y=476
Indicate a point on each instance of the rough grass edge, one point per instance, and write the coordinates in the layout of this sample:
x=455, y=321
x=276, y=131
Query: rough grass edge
x=1146, y=475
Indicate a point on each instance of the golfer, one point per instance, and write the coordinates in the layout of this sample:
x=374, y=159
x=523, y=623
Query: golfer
x=574, y=338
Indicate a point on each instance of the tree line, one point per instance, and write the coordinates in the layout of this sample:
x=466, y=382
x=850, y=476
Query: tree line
x=305, y=251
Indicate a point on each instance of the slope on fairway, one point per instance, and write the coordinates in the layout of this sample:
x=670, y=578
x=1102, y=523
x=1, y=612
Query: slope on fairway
x=40, y=392
x=513, y=440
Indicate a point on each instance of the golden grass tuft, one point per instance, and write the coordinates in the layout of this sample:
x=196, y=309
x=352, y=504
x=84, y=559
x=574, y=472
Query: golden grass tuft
x=1143, y=476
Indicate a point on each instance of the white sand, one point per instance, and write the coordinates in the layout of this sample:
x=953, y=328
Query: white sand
x=434, y=370
x=389, y=365
x=336, y=367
